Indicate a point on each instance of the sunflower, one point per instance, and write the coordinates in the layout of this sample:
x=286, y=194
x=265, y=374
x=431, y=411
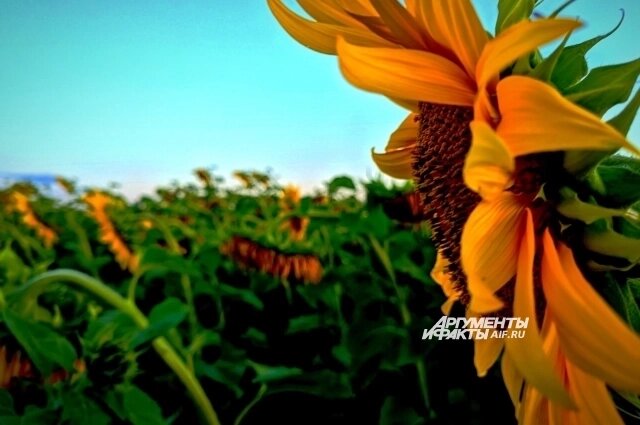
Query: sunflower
x=294, y=224
x=22, y=205
x=487, y=147
x=250, y=254
x=98, y=203
x=17, y=367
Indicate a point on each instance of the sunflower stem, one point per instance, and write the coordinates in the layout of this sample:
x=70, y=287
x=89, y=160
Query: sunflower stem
x=128, y=307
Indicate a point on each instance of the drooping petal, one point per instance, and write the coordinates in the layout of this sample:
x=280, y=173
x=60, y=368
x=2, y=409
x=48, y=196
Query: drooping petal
x=441, y=277
x=401, y=24
x=518, y=40
x=404, y=73
x=329, y=12
x=360, y=7
x=591, y=334
x=594, y=405
x=456, y=26
x=489, y=166
x=527, y=353
x=537, y=118
x=489, y=249
x=395, y=163
x=485, y=353
x=534, y=408
x=320, y=36
x=406, y=134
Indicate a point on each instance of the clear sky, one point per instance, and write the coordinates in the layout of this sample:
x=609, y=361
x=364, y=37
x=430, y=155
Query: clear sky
x=142, y=92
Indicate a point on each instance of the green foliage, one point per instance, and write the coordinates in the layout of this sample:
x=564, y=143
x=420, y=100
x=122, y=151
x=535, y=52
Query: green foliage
x=345, y=350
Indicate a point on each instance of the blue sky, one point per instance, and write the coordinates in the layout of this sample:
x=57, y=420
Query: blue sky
x=142, y=92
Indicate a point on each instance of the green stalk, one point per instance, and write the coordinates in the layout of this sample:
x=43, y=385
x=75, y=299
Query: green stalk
x=160, y=344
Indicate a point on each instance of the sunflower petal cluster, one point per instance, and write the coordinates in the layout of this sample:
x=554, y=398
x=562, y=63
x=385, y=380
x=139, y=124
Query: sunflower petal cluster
x=98, y=203
x=545, y=228
x=22, y=205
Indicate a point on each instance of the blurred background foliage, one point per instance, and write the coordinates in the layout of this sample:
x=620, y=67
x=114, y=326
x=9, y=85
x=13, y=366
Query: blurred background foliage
x=288, y=309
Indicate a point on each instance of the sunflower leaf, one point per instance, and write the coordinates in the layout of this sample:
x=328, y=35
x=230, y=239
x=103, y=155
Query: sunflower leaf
x=511, y=12
x=572, y=65
x=544, y=70
x=622, y=122
x=605, y=86
x=606, y=177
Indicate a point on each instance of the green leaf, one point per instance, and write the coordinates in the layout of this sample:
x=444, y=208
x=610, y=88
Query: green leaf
x=305, y=323
x=393, y=412
x=544, y=69
x=622, y=122
x=241, y=294
x=618, y=179
x=6, y=404
x=341, y=182
x=605, y=87
x=77, y=409
x=572, y=65
x=265, y=374
x=142, y=409
x=620, y=296
x=228, y=373
x=511, y=12
x=164, y=316
x=44, y=346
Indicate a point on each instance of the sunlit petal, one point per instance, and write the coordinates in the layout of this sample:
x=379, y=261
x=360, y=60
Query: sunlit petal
x=404, y=73
x=516, y=41
x=395, y=163
x=489, y=249
x=591, y=333
x=489, y=166
x=527, y=353
x=485, y=353
x=537, y=118
x=455, y=25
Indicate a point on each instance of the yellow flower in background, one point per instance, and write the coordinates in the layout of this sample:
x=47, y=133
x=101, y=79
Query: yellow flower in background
x=204, y=176
x=22, y=205
x=98, y=203
x=481, y=147
x=289, y=200
x=250, y=254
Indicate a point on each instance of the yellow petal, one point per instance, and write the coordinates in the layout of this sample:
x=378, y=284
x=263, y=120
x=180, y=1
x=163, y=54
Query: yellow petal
x=329, y=11
x=455, y=25
x=405, y=135
x=595, y=406
x=489, y=249
x=404, y=73
x=513, y=379
x=534, y=408
x=537, y=118
x=395, y=163
x=410, y=105
x=441, y=277
x=485, y=354
x=527, y=353
x=320, y=36
x=516, y=41
x=489, y=166
x=591, y=333
x=359, y=7
x=401, y=24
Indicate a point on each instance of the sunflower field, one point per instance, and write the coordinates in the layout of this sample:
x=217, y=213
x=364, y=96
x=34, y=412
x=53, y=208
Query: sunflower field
x=236, y=306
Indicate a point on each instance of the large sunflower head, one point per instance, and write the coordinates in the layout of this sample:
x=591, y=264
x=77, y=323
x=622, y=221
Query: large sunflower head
x=503, y=145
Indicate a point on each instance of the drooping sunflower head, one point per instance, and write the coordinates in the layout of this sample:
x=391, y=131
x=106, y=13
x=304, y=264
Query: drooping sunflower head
x=503, y=144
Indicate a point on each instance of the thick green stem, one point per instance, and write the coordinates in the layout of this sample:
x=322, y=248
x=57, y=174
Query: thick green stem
x=126, y=306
